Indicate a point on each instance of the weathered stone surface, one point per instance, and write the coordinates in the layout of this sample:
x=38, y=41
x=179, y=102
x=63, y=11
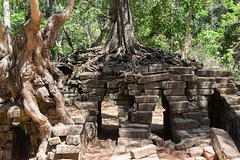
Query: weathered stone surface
x=177, y=98
x=113, y=85
x=64, y=130
x=194, y=115
x=146, y=106
x=213, y=73
x=181, y=134
x=225, y=85
x=181, y=70
x=50, y=155
x=187, y=143
x=179, y=104
x=135, y=125
x=135, y=87
x=154, y=78
x=78, y=119
x=154, y=68
x=134, y=117
x=205, y=79
x=121, y=157
x=203, y=92
x=73, y=140
x=145, y=117
x=209, y=153
x=200, y=158
x=158, y=141
x=189, y=77
x=87, y=90
x=134, y=92
x=195, y=151
x=227, y=90
x=223, y=79
x=146, y=99
x=184, y=123
x=233, y=99
x=153, y=92
x=143, y=151
x=152, y=85
x=54, y=141
x=205, y=121
x=202, y=104
x=174, y=92
x=6, y=154
x=176, y=77
x=203, y=85
x=173, y=84
x=133, y=133
x=67, y=149
x=223, y=144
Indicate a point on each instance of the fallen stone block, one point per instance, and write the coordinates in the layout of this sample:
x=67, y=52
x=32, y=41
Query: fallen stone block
x=209, y=153
x=199, y=158
x=187, y=143
x=64, y=130
x=73, y=140
x=195, y=151
x=223, y=144
x=78, y=119
x=121, y=157
x=54, y=141
x=143, y=151
x=67, y=149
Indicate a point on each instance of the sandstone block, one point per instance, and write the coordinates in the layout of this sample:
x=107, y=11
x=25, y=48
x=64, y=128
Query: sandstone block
x=209, y=153
x=223, y=79
x=64, y=130
x=189, y=77
x=134, y=117
x=50, y=155
x=146, y=99
x=195, y=151
x=67, y=149
x=225, y=85
x=174, y=92
x=154, y=78
x=153, y=92
x=173, y=84
x=187, y=143
x=213, y=73
x=73, y=140
x=176, y=77
x=85, y=105
x=194, y=115
x=134, y=92
x=223, y=144
x=184, y=123
x=233, y=100
x=205, y=121
x=54, y=141
x=78, y=119
x=135, y=87
x=179, y=104
x=145, y=117
x=181, y=70
x=181, y=134
x=152, y=85
x=133, y=133
x=205, y=79
x=203, y=92
x=141, y=69
x=146, y=106
x=143, y=151
x=112, y=85
x=227, y=90
x=177, y=98
x=199, y=158
x=154, y=68
x=88, y=75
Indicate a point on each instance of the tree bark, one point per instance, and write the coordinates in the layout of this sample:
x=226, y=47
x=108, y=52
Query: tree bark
x=31, y=71
x=185, y=49
x=7, y=24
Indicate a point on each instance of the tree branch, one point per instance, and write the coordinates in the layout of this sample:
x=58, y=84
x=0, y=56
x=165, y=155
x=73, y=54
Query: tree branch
x=35, y=10
x=100, y=12
x=68, y=10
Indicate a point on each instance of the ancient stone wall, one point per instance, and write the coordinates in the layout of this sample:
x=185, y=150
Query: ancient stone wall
x=194, y=100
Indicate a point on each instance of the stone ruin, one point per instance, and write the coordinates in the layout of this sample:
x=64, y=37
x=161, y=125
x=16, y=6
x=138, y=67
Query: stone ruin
x=194, y=99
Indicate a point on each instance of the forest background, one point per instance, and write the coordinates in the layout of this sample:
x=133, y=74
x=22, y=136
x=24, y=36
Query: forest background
x=214, y=29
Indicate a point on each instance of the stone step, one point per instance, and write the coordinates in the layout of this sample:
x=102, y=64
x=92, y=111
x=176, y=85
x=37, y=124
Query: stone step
x=133, y=133
x=227, y=90
x=135, y=125
x=180, y=124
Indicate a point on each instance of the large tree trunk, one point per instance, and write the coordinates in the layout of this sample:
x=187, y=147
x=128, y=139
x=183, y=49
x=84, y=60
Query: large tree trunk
x=122, y=38
x=32, y=75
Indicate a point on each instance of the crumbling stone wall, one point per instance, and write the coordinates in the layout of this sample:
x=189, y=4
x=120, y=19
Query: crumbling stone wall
x=194, y=98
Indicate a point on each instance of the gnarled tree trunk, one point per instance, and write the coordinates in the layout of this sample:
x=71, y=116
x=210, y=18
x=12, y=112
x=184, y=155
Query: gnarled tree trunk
x=31, y=74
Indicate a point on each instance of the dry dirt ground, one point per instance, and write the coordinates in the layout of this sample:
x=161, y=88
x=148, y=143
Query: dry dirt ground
x=110, y=125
